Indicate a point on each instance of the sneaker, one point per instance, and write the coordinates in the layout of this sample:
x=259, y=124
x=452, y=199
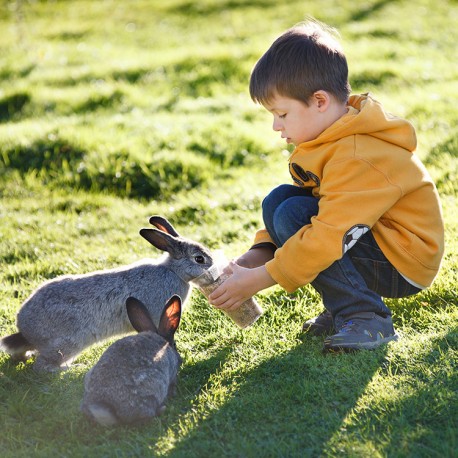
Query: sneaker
x=321, y=324
x=365, y=330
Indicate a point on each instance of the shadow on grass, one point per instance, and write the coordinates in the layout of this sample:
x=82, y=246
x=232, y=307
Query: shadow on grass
x=60, y=163
x=12, y=107
x=290, y=405
x=205, y=9
x=368, y=10
x=33, y=404
x=431, y=409
x=41, y=412
x=420, y=417
x=193, y=378
x=299, y=403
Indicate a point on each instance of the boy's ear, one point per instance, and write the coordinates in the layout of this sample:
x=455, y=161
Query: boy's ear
x=321, y=100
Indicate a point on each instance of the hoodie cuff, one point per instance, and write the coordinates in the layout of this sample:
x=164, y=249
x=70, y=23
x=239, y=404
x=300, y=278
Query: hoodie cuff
x=270, y=245
x=282, y=280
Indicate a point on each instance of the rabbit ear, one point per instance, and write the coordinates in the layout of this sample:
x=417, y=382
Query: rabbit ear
x=170, y=318
x=138, y=315
x=161, y=240
x=163, y=225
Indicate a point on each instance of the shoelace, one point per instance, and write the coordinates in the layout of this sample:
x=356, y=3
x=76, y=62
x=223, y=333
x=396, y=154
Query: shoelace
x=348, y=326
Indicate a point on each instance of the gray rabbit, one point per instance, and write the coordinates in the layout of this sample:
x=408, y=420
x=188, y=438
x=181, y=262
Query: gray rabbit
x=132, y=379
x=67, y=314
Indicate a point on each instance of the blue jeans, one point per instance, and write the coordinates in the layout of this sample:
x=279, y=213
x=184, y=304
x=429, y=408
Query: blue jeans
x=354, y=283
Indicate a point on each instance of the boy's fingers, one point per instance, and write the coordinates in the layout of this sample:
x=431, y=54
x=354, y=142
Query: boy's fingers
x=216, y=294
x=228, y=304
x=224, y=301
x=221, y=299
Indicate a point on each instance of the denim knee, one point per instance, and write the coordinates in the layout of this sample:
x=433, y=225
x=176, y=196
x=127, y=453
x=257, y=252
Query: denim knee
x=292, y=214
x=279, y=195
x=274, y=199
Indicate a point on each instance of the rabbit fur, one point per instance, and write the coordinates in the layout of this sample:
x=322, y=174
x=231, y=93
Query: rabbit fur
x=69, y=313
x=134, y=376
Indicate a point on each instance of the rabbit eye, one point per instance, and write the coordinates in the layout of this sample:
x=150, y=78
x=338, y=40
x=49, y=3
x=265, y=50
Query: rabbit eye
x=199, y=259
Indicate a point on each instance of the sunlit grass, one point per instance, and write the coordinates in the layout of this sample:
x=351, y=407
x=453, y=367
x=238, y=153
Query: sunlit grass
x=111, y=111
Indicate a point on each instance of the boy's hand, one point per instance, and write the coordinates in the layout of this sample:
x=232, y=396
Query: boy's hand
x=240, y=286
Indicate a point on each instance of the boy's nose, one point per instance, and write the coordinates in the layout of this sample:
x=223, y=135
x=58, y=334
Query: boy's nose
x=276, y=126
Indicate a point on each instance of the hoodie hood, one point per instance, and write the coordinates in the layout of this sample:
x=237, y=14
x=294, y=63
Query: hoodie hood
x=366, y=116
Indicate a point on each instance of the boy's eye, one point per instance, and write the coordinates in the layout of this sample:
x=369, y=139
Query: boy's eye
x=283, y=116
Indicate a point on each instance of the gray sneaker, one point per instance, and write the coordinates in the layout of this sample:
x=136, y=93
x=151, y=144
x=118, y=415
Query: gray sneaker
x=321, y=324
x=365, y=330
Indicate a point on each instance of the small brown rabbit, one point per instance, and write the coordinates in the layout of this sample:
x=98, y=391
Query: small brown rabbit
x=132, y=379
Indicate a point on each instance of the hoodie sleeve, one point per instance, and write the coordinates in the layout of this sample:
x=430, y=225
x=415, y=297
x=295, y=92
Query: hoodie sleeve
x=261, y=237
x=354, y=194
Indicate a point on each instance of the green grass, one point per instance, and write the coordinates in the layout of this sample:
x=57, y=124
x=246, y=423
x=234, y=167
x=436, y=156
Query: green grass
x=111, y=111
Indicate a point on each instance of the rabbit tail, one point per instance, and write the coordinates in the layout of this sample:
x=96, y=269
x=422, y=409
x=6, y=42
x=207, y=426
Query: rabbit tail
x=101, y=413
x=107, y=415
x=16, y=345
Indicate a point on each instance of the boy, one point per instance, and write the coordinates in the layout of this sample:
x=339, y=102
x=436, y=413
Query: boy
x=363, y=218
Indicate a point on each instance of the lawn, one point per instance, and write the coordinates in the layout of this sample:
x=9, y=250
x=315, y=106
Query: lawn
x=111, y=111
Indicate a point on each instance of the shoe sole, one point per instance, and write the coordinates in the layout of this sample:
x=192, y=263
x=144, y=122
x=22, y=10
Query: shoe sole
x=359, y=345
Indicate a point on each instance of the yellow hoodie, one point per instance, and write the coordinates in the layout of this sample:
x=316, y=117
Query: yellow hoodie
x=364, y=173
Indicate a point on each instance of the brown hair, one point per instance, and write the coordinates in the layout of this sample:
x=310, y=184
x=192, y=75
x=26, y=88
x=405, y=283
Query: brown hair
x=305, y=59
